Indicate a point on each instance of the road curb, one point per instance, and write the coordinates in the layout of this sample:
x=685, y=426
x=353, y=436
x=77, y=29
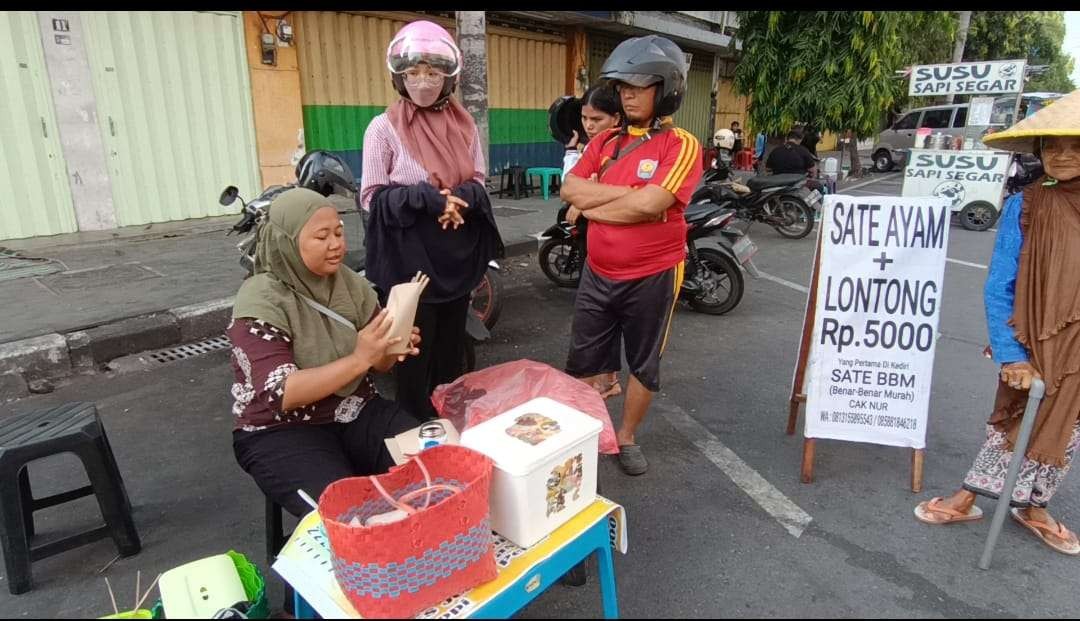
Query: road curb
x=520, y=247
x=56, y=356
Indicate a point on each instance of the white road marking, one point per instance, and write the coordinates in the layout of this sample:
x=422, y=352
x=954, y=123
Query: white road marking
x=867, y=182
x=967, y=263
x=772, y=500
x=786, y=283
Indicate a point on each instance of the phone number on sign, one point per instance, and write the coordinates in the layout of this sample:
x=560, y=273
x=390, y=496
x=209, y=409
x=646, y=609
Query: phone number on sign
x=878, y=334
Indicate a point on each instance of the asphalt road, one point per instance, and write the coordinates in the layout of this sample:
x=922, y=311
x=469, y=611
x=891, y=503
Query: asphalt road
x=699, y=544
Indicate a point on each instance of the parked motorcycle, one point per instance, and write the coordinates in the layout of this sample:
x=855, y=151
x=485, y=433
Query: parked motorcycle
x=1024, y=169
x=485, y=299
x=775, y=200
x=712, y=281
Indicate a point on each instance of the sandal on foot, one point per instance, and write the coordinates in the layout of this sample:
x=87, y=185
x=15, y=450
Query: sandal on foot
x=933, y=512
x=1040, y=529
x=632, y=459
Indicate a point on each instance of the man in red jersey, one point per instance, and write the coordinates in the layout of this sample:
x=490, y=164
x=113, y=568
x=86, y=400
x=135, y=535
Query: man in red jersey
x=632, y=184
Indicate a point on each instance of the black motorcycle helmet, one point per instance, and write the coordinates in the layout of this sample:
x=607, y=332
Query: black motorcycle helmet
x=643, y=61
x=564, y=118
x=324, y=173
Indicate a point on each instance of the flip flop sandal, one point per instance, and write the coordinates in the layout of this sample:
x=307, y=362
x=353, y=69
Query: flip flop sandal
x=1040, y=529
x=632, y=459
x=930, y=512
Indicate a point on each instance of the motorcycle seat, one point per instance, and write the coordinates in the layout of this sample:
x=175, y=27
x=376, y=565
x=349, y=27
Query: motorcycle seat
x=772, y=181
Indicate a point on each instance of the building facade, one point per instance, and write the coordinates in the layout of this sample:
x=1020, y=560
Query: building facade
x=115, y=119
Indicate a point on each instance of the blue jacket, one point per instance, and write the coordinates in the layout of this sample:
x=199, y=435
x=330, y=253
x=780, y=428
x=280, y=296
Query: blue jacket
x=999, y=293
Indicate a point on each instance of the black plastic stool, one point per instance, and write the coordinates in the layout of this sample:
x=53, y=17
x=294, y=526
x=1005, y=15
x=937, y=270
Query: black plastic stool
x=513, y=181
x=69, y=428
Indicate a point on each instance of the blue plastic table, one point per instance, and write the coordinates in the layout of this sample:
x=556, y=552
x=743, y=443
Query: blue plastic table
x=523, y=573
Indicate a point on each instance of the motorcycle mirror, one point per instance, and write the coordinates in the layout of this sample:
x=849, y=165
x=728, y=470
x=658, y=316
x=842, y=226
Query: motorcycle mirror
x=228, y=196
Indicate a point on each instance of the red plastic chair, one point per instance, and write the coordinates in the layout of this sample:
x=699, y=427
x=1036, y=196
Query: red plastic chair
x=744, y=160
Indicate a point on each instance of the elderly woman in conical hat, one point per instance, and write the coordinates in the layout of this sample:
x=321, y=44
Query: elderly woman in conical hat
x=307, y=335
x=1032, y=298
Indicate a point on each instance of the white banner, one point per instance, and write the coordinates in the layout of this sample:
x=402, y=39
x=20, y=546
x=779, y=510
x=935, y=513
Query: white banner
x=980, y=78
x=961, y=177
x=875, y=323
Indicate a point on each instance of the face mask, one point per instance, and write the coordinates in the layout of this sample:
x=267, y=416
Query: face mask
x=424, y=95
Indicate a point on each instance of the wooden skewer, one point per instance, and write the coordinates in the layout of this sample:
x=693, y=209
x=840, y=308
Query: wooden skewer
x=112, y=597
x=138, y=581
x=152, y=585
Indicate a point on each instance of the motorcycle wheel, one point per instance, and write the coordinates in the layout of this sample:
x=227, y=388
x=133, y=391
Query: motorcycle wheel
x=554, y=256
x=726, y=278
x=798, y=216
x=486, y=298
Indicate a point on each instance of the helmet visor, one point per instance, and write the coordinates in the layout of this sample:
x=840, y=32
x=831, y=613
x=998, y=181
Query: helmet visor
x=640, y=80
x=409, y=50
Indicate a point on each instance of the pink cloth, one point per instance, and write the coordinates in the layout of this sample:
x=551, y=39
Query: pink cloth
x=387, y=161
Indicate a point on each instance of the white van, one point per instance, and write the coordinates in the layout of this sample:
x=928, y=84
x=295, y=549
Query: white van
x=892, y=145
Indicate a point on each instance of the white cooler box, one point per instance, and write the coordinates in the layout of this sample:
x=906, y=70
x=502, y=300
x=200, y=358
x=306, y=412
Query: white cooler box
x=545, y=467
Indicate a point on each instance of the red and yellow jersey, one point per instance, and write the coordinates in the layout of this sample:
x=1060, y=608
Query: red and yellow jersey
x=670, y=159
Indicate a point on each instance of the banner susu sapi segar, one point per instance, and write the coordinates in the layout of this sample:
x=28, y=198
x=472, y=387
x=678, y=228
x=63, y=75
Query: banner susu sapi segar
x=879, y=289
x=975, y=78
x=961, y=177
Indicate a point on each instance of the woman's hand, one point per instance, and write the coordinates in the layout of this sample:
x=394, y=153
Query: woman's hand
x=1018, y=374
x=572, y=215
x=372, y=341
x=390, y=360
x=573, y=144
x=452, y=212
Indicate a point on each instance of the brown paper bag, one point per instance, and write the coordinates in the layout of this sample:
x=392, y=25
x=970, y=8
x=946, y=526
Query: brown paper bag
x=401, y=306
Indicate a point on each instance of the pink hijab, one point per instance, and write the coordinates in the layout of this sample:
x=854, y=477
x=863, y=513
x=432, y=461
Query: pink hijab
x=440, y=139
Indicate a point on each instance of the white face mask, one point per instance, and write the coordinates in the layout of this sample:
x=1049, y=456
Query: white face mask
x=424, y=94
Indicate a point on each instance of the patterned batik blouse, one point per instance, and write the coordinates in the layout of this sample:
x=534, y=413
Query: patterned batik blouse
x=262, y=359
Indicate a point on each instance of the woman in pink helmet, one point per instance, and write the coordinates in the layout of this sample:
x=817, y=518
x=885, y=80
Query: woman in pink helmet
x=423, y=188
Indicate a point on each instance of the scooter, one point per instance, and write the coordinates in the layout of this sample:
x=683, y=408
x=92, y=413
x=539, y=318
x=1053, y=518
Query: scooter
x=1023, y=169
x=712, y=282
x=775, y=200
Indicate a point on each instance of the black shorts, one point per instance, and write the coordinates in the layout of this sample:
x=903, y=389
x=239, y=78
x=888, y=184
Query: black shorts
x=311, y=457
x=637, y=312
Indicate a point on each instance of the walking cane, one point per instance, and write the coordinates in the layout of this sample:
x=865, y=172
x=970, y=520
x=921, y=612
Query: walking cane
x=1035, y=396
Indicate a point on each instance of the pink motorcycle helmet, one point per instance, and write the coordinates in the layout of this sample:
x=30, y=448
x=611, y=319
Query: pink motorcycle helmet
x=424, y=42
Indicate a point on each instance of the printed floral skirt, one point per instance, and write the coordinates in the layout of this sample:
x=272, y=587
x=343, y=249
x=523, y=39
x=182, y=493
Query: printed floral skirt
x=1037, y=482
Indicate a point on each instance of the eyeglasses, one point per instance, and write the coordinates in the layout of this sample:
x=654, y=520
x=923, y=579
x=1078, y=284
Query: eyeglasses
x=432, y=78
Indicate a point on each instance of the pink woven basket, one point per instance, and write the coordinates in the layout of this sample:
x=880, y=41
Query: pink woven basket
x=443, y=547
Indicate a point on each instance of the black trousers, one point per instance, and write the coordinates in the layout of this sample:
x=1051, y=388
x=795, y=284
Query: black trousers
x=311, y=457
x=441, y=359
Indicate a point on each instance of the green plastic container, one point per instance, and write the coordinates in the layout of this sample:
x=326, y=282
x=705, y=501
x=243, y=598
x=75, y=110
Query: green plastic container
x=254, y=588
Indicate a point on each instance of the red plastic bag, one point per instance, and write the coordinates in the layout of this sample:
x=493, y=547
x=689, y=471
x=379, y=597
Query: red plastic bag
x=476, y=397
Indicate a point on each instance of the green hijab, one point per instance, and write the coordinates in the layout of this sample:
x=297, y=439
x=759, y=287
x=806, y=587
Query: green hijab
x=273, y=293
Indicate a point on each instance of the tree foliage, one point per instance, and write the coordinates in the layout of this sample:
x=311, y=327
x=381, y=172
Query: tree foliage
x=1034, y=35
x=833, y=68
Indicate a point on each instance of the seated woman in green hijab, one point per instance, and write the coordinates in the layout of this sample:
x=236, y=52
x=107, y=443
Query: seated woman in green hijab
x=307, y=333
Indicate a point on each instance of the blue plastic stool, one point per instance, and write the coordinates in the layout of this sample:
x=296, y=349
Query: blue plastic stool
x=546, y=174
